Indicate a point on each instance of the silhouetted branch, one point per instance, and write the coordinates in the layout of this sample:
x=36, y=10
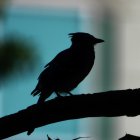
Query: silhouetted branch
x=109, y=104
x=130, y=137
x=72, y=139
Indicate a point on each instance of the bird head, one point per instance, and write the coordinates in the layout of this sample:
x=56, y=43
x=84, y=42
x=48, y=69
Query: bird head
x=82, y=38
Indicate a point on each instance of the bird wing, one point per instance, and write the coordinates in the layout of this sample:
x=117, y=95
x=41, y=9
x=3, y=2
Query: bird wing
x=58, y=58
x=58, y=65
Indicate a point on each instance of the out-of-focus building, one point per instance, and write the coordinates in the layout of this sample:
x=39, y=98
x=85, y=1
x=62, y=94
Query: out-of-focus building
x=48, y=23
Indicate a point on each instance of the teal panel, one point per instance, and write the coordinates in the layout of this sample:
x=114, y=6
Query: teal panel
x=48, y=30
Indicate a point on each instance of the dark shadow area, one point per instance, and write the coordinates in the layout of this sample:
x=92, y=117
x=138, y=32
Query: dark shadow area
x=17, y=55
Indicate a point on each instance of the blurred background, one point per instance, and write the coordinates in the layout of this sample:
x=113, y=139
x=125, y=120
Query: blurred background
x=32, y=32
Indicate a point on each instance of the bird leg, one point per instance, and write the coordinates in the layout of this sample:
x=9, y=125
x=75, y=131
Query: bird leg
x=58, y=94
x=70, y=93
x=41, y=99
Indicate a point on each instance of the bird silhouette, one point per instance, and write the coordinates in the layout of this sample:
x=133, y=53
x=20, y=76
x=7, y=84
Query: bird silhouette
x=68, y=68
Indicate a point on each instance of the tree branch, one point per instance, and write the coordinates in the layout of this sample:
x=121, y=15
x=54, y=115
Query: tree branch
x=130, y=137
x=109, y=104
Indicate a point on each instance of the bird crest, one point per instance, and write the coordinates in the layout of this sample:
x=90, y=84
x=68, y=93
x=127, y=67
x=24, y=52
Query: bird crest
x=84, y=37
x=79, y=34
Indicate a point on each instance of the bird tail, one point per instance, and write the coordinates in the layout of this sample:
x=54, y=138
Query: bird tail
x=35, y=92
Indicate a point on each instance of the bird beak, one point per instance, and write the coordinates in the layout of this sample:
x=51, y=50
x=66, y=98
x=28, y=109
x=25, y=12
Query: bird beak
x=99, y=40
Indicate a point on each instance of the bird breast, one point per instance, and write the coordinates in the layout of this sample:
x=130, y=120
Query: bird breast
x=83, y=64
x=76, y=70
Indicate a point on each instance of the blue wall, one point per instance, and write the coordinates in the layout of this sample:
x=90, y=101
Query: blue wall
x=48, y=30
